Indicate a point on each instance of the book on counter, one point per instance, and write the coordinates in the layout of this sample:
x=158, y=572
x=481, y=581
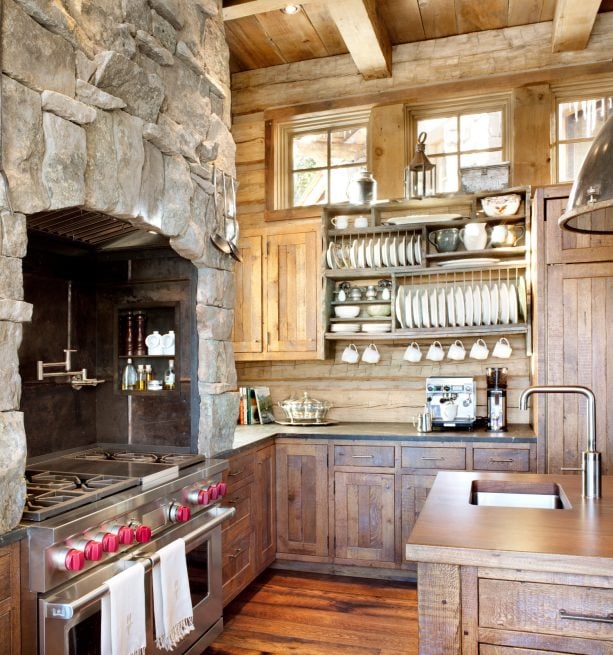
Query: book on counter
x=255, y=406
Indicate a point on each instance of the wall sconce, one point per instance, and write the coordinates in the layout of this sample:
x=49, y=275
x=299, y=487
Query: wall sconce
x=420, y=174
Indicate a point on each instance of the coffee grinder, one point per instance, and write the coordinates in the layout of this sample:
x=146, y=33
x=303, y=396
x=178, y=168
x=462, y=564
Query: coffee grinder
x=496, y=399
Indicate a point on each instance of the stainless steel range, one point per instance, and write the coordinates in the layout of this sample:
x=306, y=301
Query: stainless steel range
x=92, y=513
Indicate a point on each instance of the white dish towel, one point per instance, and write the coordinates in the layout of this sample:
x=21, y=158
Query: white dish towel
x=172, y=603
x=123, y=630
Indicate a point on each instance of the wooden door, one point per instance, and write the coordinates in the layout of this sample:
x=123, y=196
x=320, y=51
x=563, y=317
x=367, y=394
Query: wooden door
x=248, y=328
x=364, y=517
x=302, y=499
x=10, y=627
x=413, y=494
x=292, y=294
x=264, y=508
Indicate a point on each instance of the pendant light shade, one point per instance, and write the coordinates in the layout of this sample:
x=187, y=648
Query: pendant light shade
x=593, y=188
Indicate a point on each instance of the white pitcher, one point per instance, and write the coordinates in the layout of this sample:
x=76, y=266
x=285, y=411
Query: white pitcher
x=474, y=236
x=168, y=343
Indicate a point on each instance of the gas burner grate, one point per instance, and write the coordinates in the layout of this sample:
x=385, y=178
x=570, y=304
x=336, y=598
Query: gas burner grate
x=176, y=458
x=131, y=456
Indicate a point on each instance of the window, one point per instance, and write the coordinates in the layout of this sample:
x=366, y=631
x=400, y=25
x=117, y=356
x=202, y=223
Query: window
x=460, y=136
x=577, y=122
x=315, y=158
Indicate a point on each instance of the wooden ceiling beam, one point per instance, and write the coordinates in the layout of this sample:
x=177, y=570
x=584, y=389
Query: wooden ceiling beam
x=233, y=9
x=573, y=23
x=365, y=36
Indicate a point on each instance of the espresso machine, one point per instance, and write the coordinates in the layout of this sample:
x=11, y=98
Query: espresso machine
x=452, y=402
x=496, y=399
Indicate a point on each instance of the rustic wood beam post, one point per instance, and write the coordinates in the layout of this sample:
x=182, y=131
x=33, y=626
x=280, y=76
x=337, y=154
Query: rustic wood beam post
x=573, y=23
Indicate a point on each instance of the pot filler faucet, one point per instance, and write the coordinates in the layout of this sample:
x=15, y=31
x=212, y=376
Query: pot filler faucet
x=590, y=458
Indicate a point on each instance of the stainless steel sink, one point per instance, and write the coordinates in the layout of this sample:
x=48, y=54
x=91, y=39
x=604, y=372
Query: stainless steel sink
x=535, y=495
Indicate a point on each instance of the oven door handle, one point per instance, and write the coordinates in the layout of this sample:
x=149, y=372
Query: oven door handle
x=67, y=610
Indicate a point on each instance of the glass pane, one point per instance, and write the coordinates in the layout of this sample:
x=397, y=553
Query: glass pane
x=310, y=150
x=339, y=181
x=480, y=131
x=442, y=134
x=446, y=173
x=348, y=146
x=310, y=188
x=481, y=158
x=570, y=158
x=583, y=118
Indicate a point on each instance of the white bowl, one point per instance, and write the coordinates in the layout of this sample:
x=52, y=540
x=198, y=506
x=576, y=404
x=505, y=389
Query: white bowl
x=501, y=205
x=346, y=311
x=379, y=310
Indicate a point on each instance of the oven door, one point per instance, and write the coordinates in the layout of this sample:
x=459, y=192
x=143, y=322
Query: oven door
x=69, y=618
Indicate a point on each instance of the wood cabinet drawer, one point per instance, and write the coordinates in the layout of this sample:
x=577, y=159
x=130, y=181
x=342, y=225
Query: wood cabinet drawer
x=501, y=459
x=364, y=456
x=433, y=458
x=241, y=468
x=240, y=499
x=237, y=559
x=570, y=611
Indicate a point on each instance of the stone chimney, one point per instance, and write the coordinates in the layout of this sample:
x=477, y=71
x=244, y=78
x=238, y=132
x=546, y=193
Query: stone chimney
x=120, y=107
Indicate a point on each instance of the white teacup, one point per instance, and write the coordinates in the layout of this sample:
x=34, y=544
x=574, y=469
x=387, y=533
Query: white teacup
x=449, y=411
x=360, y=221
x=456, y=351
x=502, y=348
x=435, y=352
x=371, y=355
x=479, y=350
x=340, y=222
x=412, y=353
x=350, y=354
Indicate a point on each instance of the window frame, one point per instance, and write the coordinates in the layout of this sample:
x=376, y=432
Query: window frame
x=457, y=107
x=283, y=131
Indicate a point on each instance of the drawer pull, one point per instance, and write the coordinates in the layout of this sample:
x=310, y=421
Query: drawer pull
x=236, y=553
x=586, y=617
x=433, y=459
x=501, y=461
x=233, y=474
x=362, y=456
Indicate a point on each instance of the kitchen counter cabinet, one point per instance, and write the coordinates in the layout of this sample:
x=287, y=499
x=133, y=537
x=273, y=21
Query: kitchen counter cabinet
x=265, y=507
x=514, y=581
x=10, y=629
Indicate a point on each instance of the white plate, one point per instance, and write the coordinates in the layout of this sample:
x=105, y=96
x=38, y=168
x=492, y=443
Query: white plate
x=416, y=309
x=402, y=249
x=485, y=304
x=433, y=308
x=513, y=317
x=361, y=253
x=463, y=263
x=410, y=255
x=376, y=254
x=494, y=304
x=400, y=306
x=369, y=254
x=385, y=247
x=376, y=328
x=329, y=256
x=345, y=327
x=353, y=254
x=418, y=250
x=340, y=255
x=425, y=312
x=451, y=307
x=504, y=303
x=408, y=310
x=442, y=313
x=460, y=314
x=421, y=218
x=522, y=298
x=468, y=305
x=393, y=252
x=477, y=316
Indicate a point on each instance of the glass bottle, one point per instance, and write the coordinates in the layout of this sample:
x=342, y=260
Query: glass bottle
x=169, y=375
x=148, y=375
x=141, y=385
x=129, y=377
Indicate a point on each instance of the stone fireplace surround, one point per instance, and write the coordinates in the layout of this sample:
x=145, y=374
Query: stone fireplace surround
x=120, y=107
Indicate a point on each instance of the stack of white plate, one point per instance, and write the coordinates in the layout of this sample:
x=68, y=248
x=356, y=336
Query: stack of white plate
x=376, y=328
x=345, y=327
x=376, y=252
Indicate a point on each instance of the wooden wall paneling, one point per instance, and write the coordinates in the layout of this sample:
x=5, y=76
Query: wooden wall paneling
x=470, y=611
x=439, y=19
x=387, y=155
x=408, y=29
x=248, y=134
x=569, y=247
x=248, y=326
x=475, y=15
x=251, y=187
x=521, y=12
x=327, y=31
x=249, y=44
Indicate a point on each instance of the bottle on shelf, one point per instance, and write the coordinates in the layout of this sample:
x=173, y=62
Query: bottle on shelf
x=148, y=375
x=169, y=375
x=128, y=377
x=141, y=384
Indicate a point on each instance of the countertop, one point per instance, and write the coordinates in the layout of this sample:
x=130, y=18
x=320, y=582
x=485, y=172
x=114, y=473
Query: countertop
x=575, y=540
x=16, y=534
x=247, y=435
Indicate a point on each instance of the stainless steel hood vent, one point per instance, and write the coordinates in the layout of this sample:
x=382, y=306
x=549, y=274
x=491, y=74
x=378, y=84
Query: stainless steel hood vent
x=94, y=229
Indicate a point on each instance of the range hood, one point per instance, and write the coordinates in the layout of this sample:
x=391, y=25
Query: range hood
x=92, y=229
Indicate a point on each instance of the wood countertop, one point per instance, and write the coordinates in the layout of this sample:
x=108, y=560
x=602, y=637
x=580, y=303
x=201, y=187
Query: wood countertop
x=576, y=540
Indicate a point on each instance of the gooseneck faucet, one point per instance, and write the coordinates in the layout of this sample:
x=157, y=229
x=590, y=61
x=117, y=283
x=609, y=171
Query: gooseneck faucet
x=590, y=458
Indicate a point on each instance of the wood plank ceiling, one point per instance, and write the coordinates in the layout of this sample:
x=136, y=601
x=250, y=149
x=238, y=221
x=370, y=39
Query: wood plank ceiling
x=260, y=35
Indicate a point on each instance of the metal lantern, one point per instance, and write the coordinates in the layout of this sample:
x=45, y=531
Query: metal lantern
x=420, y=174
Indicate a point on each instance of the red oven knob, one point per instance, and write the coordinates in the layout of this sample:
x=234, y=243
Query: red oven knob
x=75, y=560
x=213, y=492
x=179, y=513
x=125, y=535
x=143, y=534
x=110, y=542
x=198, y=496
x=222, y=489
x=92, y=551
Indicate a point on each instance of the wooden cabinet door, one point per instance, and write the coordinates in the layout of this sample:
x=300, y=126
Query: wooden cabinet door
x=248, y=327
x=264, y=508
x=292, y=293
x=413, y=494
x=10, y=628
x=302, y=499
x=364, y=511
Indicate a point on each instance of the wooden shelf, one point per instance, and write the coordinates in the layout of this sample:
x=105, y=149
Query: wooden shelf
x=431, y=333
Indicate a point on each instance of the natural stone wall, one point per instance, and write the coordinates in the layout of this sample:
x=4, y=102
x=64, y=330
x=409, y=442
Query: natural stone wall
x=122, y=107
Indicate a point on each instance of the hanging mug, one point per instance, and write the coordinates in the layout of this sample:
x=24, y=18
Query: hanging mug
x=371, y=354
x=502, y=348
x=350, y=354
x=412, y=353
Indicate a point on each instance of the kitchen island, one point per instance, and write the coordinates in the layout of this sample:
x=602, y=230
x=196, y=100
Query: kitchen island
x=501, y=580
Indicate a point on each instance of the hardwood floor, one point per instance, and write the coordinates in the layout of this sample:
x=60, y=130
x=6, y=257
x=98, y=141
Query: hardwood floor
x=284, y=613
